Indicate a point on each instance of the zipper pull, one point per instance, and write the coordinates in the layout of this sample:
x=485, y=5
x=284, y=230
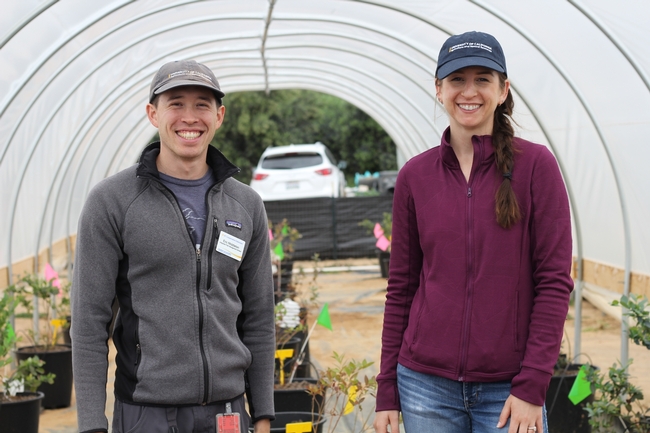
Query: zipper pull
x=469, y=192
x=198, y=253
x=228, y=407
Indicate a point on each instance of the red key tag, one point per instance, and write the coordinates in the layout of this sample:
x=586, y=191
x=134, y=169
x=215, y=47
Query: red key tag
x=228, y=422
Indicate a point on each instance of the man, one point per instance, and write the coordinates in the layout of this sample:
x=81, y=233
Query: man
x=185, y=249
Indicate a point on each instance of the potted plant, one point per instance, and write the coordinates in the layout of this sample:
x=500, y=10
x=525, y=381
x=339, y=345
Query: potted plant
x=383, y=231
x=306, y=292
x=287, y=341
x=282, y=239
x=292, y=320
x=32, y=290
x=616, y=407
x=290, y=392
x=19, y=410
x=343, y=391
x=638, y=310
x=562, y=414
x=614, y=410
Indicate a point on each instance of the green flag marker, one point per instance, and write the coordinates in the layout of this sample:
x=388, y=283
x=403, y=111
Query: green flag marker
x=324, y=318
x=279, y=251
x=581, y=388
x=11, y=335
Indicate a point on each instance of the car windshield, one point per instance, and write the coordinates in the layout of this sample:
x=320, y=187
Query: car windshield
x=288, y=161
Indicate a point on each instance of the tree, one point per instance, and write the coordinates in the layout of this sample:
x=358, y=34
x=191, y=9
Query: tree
x=255, y=121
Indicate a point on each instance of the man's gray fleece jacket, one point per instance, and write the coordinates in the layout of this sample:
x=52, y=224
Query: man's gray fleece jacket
x=195, y=326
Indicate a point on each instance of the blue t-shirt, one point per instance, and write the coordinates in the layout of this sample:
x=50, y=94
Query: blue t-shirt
x=191, y=198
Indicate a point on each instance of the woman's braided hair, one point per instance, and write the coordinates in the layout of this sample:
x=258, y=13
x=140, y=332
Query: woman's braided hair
x=507, y=207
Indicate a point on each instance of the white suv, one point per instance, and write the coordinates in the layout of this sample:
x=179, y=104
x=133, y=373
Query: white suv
x=298, y=171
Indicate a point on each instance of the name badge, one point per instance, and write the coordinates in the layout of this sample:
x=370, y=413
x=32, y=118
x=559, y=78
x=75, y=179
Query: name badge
x=230, y=246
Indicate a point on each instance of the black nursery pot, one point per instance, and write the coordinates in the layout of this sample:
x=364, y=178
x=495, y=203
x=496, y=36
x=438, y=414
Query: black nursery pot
x=384, y=261
x=59, y=362
x=563, y=416
x=293, y=343
x=21, y=416
x=295, y=398
x=304, y=369
x=286, y=273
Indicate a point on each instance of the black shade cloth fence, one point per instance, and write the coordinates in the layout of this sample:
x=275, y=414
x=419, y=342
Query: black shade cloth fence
x=330, y=226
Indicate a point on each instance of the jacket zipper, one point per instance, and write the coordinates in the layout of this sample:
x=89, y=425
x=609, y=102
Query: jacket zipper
x=206, y=382
x=215, y=236
x=470, y=287
x=206, y=373
x=138, y=349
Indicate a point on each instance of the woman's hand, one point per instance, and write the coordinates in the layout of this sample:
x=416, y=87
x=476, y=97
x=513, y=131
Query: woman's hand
x=523, y=416
x=386, y=418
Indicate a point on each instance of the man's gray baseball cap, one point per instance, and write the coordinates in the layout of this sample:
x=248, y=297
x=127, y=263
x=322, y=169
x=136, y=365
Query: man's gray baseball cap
x=184, y=73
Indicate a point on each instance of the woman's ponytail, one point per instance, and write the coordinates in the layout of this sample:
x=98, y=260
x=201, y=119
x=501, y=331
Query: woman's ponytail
x=507, y=207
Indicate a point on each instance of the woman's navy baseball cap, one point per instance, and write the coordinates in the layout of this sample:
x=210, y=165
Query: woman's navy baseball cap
x=470, y=49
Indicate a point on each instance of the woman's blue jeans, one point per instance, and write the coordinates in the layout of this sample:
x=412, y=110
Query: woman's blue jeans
x=434, y=404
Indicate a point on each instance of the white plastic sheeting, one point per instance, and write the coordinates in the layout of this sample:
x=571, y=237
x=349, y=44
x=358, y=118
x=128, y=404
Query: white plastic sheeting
x=75, y=77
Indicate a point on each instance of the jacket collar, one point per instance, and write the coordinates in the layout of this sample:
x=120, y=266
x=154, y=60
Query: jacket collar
x=483, y=150
x=221, y=167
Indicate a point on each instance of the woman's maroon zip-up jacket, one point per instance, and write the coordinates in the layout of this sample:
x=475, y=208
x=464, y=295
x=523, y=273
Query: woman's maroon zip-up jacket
x=467, y=299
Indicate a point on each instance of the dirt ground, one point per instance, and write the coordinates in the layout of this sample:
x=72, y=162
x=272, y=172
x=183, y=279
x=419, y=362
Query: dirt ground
x=355, y=293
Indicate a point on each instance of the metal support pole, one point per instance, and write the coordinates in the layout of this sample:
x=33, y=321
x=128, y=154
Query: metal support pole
x=334, y=240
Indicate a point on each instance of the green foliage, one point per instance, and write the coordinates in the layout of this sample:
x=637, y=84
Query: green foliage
x=616, y=401
x=32, y=285
x=7, y=333
x=386, y=225
x=255, y=121
x=637, y=309
x=53, y=302
x=615, y=394
x=284, y=234
x=343, y=392
x=31, y=373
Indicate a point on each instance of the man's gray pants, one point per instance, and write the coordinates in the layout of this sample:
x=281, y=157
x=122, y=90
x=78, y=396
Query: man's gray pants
x=133, y=418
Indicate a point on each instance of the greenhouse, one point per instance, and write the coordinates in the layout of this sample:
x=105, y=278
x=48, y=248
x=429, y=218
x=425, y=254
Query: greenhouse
x=76, y=76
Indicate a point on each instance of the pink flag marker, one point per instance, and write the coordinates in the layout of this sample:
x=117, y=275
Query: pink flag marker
x=270, y=235
x=52, y=275
x=378, y=231
x=382, y=243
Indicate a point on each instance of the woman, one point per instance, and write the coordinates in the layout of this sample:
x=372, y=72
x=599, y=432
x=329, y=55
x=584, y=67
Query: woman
x=479, y=279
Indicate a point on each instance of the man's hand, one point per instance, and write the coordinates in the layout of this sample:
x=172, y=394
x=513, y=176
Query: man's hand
x=523, y=416
x=263, y=426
